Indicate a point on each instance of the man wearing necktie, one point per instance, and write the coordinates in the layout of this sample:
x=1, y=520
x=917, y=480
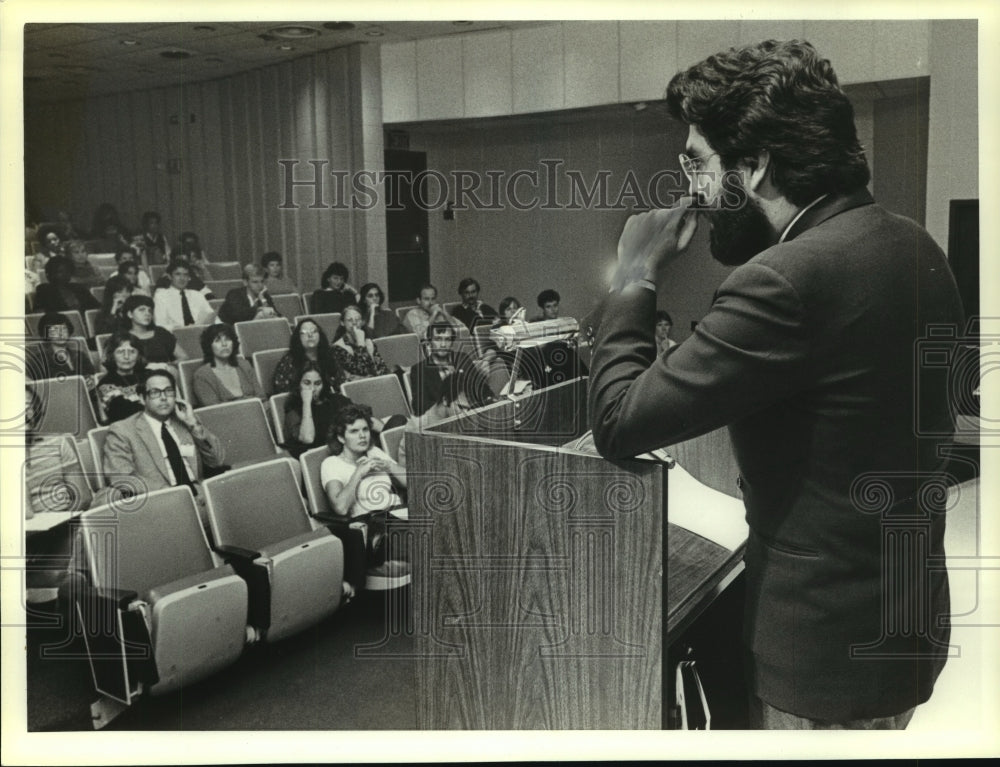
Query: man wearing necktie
x=164, y=445
x=249, y=302
x=177, y=306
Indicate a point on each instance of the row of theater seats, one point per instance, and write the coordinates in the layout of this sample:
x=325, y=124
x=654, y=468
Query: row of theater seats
x=179, y=608
x=243, y=426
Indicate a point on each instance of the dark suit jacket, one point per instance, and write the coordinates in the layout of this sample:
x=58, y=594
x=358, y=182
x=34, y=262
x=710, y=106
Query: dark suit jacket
x=237, y=306
x=131, y=448
x=809, y=354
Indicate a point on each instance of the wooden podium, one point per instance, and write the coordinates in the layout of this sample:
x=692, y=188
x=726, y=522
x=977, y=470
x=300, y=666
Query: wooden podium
x=538, y=572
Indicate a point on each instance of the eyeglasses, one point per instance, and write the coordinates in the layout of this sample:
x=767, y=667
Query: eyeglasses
x=156, y=393
x=692, y=165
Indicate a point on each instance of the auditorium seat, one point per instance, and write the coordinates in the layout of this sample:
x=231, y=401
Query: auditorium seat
x=259, y=335
x=264, y=364
x=101, y=341
x=90, y=319
x=328, y=322
x=219, y=288
x=226, y=270
x=288, y=305
x=216, y=303
x=96, y=438
x=156, y=271
x=242, y=427
x=159, y=611
x=401, y=350
x=74, y=317
x=189, y=339
x=67, y=407
x=260, y=525
x=185, y=372
x=98, y=292
x=383, y=394
x=390, y=439
x=276, y=406
x=402, y=311
x=36, y=366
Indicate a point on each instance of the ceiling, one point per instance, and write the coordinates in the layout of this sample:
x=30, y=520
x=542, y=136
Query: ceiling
x=68, y=61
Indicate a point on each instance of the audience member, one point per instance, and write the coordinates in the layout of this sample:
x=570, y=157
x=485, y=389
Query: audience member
x=66, y=227
x=56, y=356
x=49, y=244
x=165, y=445
x=225, y=376
x=153, y=243
x=110, y=317
x=198, y=269
x=84, y=272
x=59, y=294
x=443, y=360
x=107, y=223
x=354, y=351
x=177, y=305
x=548, y=302
x=250, y=302
x=158, y=346
x=135, y=274
x=426, y=311
x=118, y=390
x=335, y=294
x=274, y=268
x=663, y=326
x=508, y=308
x=380, y=322
x=308, y=344
x=310, y=410
x=472, y=311
x=458, y=394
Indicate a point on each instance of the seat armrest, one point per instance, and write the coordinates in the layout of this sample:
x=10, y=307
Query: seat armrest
x=119, y=598
x=235, y=552
x=330, y=519
x=115, y=634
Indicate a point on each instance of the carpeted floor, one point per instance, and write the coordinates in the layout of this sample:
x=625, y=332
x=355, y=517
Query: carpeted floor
x=346, y=673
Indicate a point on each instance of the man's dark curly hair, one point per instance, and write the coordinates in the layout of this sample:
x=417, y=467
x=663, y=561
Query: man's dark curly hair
x=778, y=96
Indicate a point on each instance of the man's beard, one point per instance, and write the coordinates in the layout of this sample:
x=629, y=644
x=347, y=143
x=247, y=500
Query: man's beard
x=738, y=232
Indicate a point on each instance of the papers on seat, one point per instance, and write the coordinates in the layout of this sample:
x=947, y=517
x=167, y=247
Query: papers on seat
x=704, y=511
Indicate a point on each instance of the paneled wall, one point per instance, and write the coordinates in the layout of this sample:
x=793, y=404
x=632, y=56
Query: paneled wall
x=206, y=156
x=585, y=63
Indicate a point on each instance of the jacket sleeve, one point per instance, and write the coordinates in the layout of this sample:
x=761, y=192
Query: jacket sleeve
x=119, y=457
x=211, y=449
x=750, y=350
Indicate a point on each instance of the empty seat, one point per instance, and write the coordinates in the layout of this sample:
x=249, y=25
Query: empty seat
x=158, y=610
x=90, y=319
x=260, y=525
x=289, y=305
x=226, y=270
x=264, y=364
x=66, y=406
x=329, y=322
x=189, y=339
x=259, y=335
x=74, y=317
x=242, y=427
x=383, y=394
x=401, y=350
x=219, y=288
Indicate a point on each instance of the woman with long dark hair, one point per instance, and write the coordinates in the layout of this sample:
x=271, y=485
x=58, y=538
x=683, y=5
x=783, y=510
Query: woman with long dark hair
x=308, y=344
x=110, y=317
x=310, y=410
x=379, y=322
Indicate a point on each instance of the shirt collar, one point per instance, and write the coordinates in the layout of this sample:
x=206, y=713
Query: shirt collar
x=798, y=216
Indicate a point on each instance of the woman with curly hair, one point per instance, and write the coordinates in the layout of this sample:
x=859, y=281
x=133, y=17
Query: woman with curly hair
x=117, y=391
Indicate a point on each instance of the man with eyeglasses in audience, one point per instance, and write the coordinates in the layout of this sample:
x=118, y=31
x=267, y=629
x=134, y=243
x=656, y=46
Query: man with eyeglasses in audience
x=165, y=444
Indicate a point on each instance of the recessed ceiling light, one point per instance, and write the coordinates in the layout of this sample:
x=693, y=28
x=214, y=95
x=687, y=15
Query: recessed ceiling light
x=374, y=32
x=129, y=43
x=176, y=54
x=339, y=26
x=294, y=32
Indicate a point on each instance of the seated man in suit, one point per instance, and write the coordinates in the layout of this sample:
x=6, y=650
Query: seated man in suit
x=178, y=305
x=251, y=302
x=164, y=445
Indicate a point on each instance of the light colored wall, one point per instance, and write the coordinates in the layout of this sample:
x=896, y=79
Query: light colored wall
x=572, y=64
x=953, y=138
